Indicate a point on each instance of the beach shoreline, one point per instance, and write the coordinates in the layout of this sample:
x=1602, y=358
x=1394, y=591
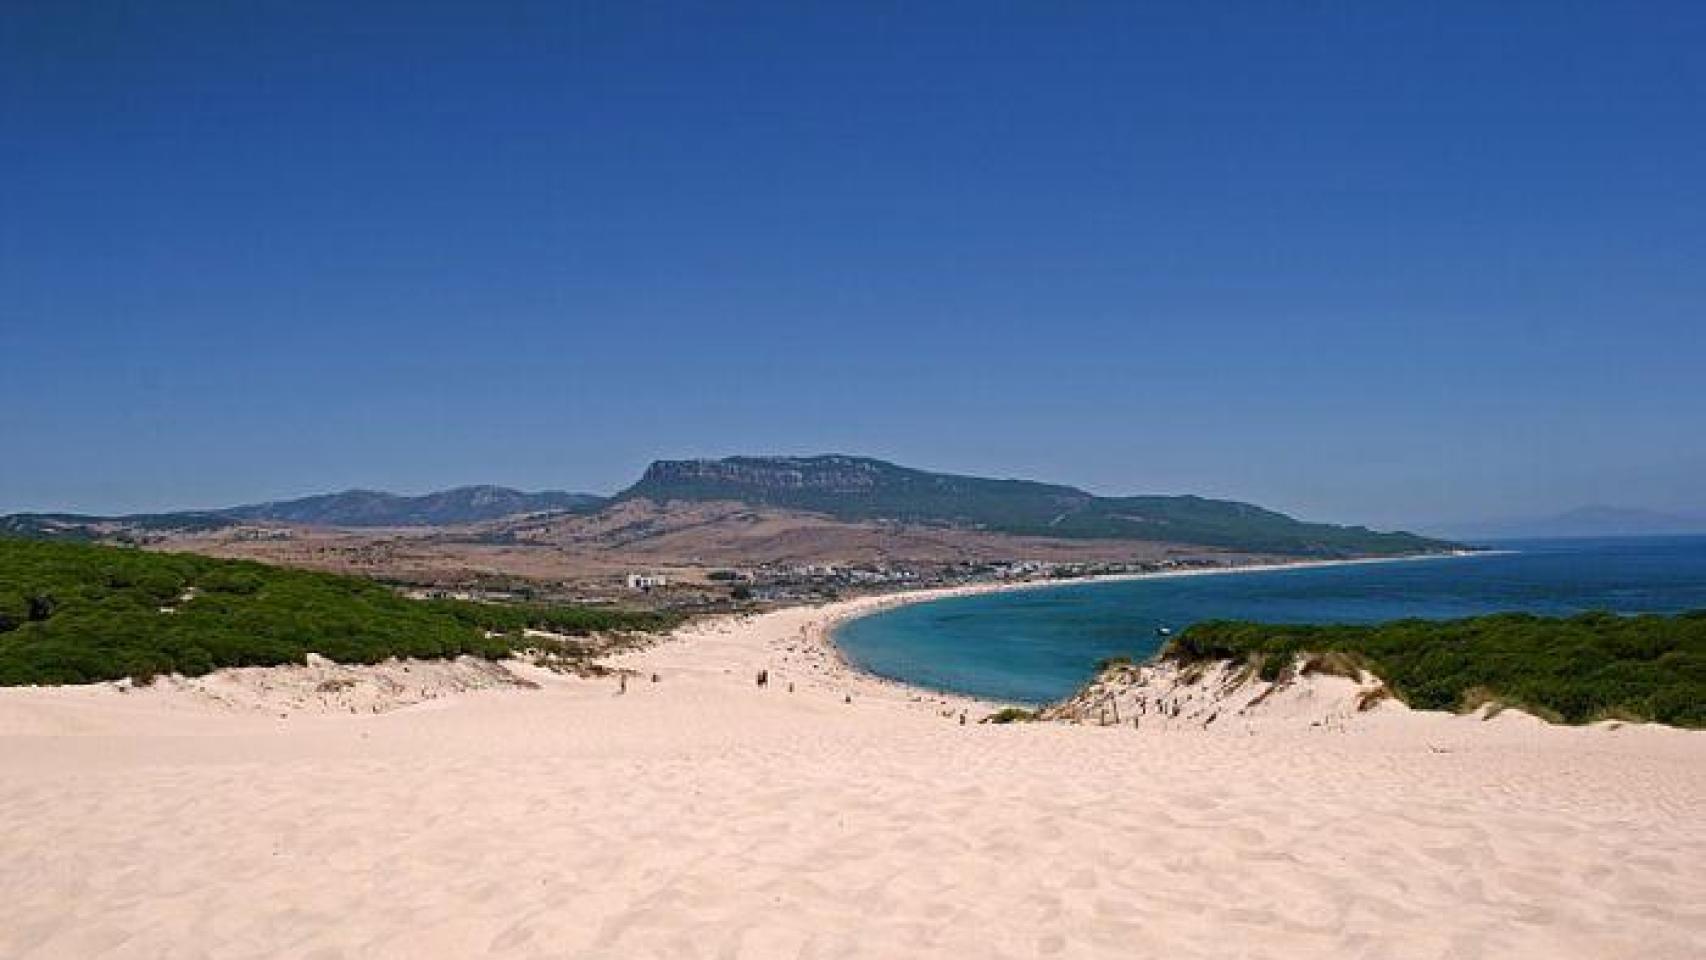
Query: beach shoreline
x=839, y=613
x=688, y=811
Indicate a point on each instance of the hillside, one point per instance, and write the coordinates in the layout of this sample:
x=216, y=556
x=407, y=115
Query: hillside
x=77, y=613
x=79, y=526
x=351, y=508
x=740, y=511
x=369, y=508
x=1570, y=669
x=729, y=533
x=861, y=489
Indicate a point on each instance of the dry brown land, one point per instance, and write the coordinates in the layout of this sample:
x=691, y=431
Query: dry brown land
x=591, y=553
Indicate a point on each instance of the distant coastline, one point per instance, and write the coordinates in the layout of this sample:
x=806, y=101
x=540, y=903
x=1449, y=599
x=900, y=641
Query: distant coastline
x=840, y=613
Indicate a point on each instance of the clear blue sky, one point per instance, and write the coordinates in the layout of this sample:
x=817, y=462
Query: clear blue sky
x=1359, y=261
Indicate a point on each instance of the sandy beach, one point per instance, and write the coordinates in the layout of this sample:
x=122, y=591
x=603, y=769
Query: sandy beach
x=448, y=813
x=668, y=481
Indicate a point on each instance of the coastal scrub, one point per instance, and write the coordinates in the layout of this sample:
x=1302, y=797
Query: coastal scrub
x=1593, y=666
x=78, y=613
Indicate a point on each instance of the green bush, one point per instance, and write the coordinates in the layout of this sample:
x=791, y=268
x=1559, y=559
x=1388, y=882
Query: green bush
x=1576, y=669
x=78, y=613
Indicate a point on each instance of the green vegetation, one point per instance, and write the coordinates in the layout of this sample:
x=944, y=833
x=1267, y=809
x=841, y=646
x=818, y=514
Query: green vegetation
x=1010, y=715
x=859, y=488
x=1574, y=670
x=78, y=527
x=77, y=613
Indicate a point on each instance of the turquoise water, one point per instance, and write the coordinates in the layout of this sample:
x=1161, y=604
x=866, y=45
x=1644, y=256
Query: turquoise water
x=1037, y=645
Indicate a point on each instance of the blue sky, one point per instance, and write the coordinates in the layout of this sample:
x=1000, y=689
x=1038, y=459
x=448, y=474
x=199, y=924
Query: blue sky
x=1376, y=262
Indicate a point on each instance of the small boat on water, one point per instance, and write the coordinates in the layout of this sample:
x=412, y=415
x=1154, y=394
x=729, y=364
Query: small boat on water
x=1163, y=632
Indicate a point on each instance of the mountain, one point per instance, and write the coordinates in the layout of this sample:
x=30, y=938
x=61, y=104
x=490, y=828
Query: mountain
x=847, y=489
x=1590, y=521
x=370, y=508
x=352, y=508
x=861, y=489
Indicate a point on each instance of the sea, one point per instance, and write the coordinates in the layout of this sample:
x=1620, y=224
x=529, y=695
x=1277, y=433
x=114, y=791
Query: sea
x=1038, y=645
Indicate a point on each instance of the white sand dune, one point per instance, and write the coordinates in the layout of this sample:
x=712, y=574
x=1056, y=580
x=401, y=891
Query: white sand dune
x=700, y=816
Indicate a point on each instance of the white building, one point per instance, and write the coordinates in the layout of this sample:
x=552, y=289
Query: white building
x=646, y=581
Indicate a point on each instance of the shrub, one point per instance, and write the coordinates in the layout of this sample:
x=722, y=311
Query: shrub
x=1572, y=669
x=76, y=613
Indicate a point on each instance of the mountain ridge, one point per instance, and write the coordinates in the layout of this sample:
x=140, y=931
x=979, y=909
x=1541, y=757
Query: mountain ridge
x=374, y=508
x=347, y=508
x=857, y=488
x=842, y=487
